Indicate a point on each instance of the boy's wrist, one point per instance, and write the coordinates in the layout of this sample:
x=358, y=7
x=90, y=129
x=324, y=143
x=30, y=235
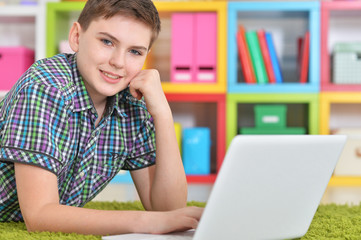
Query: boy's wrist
x=162, y=114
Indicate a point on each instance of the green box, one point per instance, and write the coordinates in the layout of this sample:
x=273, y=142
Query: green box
x=265, y=131
x=270, y=116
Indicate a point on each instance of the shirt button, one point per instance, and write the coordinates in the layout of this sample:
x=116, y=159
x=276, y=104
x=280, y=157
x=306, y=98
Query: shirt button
x=81, y=174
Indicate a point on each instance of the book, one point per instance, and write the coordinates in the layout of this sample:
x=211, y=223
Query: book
x=266, y=56
x=245, y=57
x=274, y=58
x=305, y=55
x=256, y=56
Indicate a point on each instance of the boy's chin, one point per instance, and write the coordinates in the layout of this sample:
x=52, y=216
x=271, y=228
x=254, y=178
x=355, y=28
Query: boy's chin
x=112, y=91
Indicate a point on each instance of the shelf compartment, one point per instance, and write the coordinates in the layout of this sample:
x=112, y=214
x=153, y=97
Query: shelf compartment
x=203, y=110
x=303, y=110
x=339, y=22
x=163, y=44
x=271, y=16
x=327, y=99
x=59, y=19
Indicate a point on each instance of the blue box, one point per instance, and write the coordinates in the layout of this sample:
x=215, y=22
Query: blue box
x=196, y=150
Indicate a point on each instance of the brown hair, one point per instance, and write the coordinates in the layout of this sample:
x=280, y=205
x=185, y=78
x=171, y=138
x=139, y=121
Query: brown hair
x=142, y=10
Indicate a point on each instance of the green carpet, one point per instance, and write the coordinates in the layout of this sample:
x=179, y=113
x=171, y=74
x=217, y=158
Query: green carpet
x=330, y=222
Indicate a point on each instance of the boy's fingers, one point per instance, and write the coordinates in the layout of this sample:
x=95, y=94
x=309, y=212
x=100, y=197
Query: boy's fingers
x=195, y=212
x=135, y=93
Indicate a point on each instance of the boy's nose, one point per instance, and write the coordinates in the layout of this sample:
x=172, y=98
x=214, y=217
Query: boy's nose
x=117, y=59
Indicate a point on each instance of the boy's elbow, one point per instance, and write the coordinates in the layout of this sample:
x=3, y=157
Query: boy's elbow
x=35, y=223
x=31, y=226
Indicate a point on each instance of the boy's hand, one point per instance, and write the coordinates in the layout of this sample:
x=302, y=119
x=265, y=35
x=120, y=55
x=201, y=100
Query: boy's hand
x=182, y=219
x=147, y=84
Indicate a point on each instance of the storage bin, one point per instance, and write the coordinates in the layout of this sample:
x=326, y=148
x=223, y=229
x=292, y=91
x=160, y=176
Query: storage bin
x=271, y=119
x=270, y=116
x=196, y=150
x=260, y=131
x=349, y=163
x=14, y=61
x=347, y=63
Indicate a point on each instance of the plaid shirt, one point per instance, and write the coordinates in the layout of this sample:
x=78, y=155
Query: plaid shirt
x=48, y=120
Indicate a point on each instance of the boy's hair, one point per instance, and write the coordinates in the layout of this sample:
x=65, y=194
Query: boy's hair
x=142, y=10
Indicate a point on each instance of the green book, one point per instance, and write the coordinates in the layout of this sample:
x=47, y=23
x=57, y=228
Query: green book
x=256, y=56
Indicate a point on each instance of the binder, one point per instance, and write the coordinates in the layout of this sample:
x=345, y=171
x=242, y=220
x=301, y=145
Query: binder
x=305, y=58
x=274, y=58
x=182, y=47
x=256, y=56
x=205, y=46
x=178, y=134
x=266, y=56
x=245, y=57
x=196, y=150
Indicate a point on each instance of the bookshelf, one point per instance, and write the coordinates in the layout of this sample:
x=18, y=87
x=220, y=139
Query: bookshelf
x=229, y=100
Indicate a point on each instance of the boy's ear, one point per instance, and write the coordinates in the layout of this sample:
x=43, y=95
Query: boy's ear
x=74, y=34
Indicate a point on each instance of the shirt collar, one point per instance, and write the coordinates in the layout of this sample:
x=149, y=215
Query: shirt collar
x=82, y=100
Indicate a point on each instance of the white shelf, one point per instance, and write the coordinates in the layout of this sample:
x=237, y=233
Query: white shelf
x=18, y=11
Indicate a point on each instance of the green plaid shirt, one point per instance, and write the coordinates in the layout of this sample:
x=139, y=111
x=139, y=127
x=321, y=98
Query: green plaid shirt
x=48, y=120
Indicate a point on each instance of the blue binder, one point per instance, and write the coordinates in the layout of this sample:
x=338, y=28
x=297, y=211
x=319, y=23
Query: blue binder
x=274, y=58
x=196, y=150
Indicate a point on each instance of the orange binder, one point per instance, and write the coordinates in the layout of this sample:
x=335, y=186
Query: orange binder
x=245, y=57
x=305, y=58
x=266, y=56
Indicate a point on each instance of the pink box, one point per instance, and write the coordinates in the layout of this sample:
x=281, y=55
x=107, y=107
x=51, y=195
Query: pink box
x=182, y=55
x=14, y=61
x=205, y=46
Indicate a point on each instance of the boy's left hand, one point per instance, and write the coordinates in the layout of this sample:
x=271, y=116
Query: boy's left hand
x=147, y=84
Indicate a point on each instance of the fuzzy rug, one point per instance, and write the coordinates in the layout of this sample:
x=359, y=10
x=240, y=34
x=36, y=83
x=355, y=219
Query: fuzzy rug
x=330, y=222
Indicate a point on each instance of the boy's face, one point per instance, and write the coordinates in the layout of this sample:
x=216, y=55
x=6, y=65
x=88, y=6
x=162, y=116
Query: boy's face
x=110, y=53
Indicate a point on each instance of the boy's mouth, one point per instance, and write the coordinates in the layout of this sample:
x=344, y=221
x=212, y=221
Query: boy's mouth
x=109, y=75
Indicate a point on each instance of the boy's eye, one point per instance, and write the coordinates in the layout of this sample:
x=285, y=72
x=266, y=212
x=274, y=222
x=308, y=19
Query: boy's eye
x=107, y=42
x=135, y=52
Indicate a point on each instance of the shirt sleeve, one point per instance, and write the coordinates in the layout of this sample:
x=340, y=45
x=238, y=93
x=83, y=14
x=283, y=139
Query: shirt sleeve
x=33, y=129
x=144, y=145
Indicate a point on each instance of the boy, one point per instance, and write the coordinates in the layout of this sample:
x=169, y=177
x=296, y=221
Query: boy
x=74, y=120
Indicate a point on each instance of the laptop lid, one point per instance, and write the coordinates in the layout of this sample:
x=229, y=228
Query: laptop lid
x=269, y=187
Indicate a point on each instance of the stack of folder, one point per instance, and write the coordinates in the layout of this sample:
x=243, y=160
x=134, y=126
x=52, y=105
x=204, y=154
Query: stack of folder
x=259, y=60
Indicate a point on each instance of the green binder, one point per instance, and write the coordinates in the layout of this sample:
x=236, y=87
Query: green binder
x=257, y=58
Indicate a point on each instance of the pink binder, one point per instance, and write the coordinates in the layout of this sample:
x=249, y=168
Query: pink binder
x=182, y=55
x=14, y=61
x=205, y=46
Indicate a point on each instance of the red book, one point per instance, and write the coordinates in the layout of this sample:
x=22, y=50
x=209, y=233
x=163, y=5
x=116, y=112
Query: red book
x=245, y=57
x=266, y=56
x=305, y=55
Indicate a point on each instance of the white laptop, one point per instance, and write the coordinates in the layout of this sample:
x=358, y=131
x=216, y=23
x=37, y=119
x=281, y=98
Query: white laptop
x=269, y=187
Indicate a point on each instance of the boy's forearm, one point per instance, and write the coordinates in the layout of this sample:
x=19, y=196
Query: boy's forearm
x=169, y=189
x=68, y=219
